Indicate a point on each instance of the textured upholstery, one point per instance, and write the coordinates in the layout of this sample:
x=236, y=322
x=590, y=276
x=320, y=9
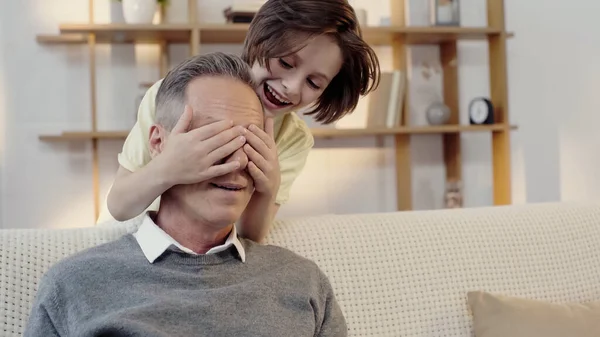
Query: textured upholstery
x=395, y=274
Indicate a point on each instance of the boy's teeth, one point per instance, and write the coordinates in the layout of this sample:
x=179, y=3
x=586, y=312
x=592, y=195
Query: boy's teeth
x=276, y=96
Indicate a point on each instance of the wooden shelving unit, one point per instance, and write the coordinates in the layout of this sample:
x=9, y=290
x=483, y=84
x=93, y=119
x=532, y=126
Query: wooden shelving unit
x=235, y=33
x=316, y=132
x=399, y=36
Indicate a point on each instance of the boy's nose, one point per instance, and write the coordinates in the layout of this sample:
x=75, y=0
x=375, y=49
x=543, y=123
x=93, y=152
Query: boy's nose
x=292, y=87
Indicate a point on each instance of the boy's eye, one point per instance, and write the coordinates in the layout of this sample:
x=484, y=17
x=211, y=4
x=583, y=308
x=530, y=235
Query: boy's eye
x=312, y=84
x=284, y=64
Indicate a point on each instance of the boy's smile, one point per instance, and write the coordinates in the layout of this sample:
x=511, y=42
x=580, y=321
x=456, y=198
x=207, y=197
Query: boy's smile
x=276, y=99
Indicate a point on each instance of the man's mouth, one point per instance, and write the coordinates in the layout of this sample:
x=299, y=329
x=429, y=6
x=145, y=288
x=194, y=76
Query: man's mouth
x=274, y=98
x=228, y=186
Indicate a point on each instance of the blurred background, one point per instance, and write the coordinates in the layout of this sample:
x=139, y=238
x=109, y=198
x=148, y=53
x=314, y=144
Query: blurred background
x=552, y=76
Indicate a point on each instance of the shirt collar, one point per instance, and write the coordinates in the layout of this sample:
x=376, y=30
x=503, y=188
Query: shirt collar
x=154, y=241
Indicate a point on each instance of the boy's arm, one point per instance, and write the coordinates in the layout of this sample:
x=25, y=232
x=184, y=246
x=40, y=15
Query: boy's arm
x=133, y=192
x=138, y=182
x=256, y=220
x=274, y=169
x=263, y=166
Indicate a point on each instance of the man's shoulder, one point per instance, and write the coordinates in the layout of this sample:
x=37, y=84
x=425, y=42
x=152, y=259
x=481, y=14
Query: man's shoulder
x=93, y=260
x=270, y=250
x=274, y=255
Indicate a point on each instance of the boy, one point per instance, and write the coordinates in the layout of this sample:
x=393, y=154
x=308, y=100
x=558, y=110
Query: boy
x=302, y=53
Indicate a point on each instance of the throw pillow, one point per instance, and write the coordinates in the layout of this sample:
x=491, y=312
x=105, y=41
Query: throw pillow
x=503, y=316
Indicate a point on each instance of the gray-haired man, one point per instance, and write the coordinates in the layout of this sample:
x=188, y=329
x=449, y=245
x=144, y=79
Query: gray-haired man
x=185, y=272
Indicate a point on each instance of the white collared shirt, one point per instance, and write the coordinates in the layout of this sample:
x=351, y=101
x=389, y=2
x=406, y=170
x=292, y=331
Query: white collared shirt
x=154, y=241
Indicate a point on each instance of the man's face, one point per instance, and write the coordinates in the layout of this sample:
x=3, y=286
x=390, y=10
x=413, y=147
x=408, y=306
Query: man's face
x=219, y=201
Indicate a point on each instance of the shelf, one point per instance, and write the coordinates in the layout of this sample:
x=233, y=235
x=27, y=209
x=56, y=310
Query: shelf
x=128, y=33
x=436, y=35
x=62, y=39
x=85, y=135
x=442, y=129
x=317, y=132
x=236, y=33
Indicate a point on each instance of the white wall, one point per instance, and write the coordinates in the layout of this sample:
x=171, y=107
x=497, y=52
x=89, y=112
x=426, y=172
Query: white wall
x=2, y=123
x=49, y=185
x=572, y=51
x=555, y=77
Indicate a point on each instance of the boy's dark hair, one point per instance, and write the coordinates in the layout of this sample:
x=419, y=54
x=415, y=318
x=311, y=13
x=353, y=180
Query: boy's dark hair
x=281, y=27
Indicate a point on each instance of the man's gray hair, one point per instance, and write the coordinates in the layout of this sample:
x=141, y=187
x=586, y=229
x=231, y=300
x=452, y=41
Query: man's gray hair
x=171, y=97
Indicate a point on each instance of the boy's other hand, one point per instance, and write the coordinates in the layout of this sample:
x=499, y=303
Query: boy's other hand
x=263, y=163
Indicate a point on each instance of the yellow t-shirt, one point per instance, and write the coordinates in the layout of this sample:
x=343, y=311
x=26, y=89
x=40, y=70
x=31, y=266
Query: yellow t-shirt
x=292, y=137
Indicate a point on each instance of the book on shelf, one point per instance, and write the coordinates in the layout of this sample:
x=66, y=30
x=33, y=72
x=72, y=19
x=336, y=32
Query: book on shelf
x=386, y=103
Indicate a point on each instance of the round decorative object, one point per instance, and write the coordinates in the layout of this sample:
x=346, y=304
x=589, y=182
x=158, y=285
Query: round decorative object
x=438, y=114
x=139, y=11
x=481, y=111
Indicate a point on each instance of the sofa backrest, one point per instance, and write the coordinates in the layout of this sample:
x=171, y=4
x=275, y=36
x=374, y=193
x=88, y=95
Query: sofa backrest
x=394, y=274
x=408, y=273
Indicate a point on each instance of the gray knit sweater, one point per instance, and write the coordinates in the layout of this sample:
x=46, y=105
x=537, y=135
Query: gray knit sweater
x=112, y=290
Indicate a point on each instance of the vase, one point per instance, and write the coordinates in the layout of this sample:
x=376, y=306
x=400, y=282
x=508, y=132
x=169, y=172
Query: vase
x=139, y=11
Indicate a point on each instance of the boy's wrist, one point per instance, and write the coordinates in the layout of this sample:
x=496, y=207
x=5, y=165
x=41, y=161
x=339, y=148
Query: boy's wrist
x=161, y=173
x=267, y=197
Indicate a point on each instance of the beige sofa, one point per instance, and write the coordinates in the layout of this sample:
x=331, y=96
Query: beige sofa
x=395, y=274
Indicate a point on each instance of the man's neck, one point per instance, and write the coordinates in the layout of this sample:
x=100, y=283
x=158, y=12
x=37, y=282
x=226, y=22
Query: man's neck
x=190, y=232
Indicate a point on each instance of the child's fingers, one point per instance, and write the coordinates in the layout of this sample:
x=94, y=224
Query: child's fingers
x=255, y=157
x=220, y=139
x=209, y=130
x=257, y=175
x=226, y=149
x=262, y=135
x=221, y=170
x=184, y=121
x=255, y=140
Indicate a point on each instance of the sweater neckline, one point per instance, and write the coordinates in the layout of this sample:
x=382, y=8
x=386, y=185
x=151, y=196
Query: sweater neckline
x=175, y=255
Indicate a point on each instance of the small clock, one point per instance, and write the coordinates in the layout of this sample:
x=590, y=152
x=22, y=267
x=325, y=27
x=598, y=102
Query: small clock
x=481, y=111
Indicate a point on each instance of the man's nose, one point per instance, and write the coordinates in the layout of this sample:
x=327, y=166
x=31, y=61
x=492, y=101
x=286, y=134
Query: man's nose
x=240, y=156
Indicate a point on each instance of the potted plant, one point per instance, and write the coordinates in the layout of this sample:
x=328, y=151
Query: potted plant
x=140, y=11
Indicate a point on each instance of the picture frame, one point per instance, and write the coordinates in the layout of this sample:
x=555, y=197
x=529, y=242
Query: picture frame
x=445, y=12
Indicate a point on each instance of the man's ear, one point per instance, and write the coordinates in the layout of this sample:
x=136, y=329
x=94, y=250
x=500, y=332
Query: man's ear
x=158, y=137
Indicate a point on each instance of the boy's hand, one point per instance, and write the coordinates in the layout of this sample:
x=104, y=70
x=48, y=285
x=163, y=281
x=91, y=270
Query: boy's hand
x=190, y=157
x=263, y=163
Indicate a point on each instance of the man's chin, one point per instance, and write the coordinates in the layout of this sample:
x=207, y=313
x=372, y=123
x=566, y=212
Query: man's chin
x=223, y=216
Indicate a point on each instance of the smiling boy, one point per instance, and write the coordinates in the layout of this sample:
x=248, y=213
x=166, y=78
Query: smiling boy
x=303, y=53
